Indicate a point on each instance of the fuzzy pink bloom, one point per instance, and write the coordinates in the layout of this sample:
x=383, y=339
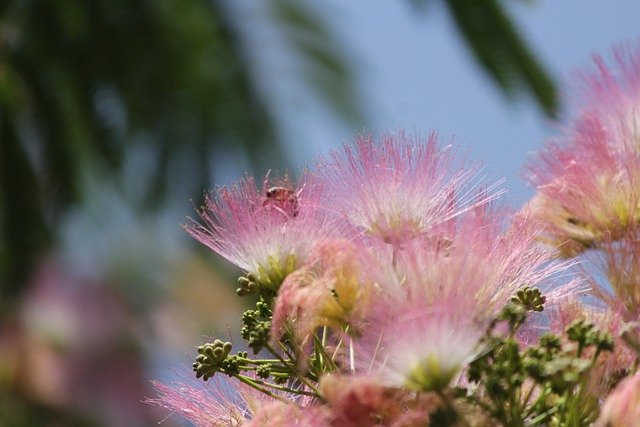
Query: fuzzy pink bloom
x=286, y=414
x=215, y=403
x=267, y=232
x=223, y=402
x=622, y=407
x=620, y=261
x=327, y=291
x=362, y=401
x=589, y=178
x=479, y=260
x=398, y=188
x=611, y=94
x=426, y=325
x=424, y=349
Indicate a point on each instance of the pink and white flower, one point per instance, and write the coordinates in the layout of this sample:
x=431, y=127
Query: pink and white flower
x=288, y=414
x=620, y=262
x=399, y=187
x=425, y=349
x=358, y=401
x=267, y=232
x=215, y=403
x=479, y=260
x=622, y=407
x=327, y=291
x=588, y=179
x=227, y=402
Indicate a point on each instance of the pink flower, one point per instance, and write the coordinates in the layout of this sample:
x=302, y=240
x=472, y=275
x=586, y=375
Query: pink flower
x=425, y=349
x=359, y=401
x=444, y=288
x=268, y=233
x=479, y=260
x=327, y=291
x=223, y=402
x=620, y=261
x=622, y=407
x=589, y=178
x=611, y=95
x=400, y=187
x=286, y=414
x=215, y=403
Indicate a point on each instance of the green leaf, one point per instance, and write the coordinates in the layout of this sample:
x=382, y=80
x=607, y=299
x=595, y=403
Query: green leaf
x=501, y=52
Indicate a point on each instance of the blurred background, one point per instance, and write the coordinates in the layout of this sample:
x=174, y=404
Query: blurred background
x=116, y=115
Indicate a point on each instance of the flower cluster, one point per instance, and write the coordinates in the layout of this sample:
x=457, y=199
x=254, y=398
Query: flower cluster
x=588, y=179
x=394, y=288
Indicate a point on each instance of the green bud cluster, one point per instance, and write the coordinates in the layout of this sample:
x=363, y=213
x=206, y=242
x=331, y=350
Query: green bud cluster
x=263, y=371
x=555, y=372
x=265, y=375
x=565, y=373
x=248, y=286
x=268, y=279
x=256, y=326
x=211, y=358
x=530, y=299
x=585, y=333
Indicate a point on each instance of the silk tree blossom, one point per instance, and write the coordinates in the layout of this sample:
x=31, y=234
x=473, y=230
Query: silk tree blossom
x=327, y=291
x=287, y=414
x=589, y=178
x=399, y=187
x=231, y=403
x=356, y=401
x=424, y=348
x=480, y=260
x=620, y=261
x=611, y=94
x=267, y=232
x=588, y=191
x=622, y=406
x=217, y=403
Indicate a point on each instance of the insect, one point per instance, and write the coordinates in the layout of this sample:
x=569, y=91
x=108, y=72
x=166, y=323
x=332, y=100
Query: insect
x=282, y=199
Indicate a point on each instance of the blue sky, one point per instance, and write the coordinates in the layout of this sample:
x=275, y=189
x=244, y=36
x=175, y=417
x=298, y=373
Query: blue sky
x=416, y=73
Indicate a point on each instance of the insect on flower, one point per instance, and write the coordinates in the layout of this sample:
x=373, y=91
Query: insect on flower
x=280, y=198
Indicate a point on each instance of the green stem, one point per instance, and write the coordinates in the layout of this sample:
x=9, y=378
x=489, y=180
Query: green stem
x=580, y=348
x=516, y=326
x=248, y=380
x=528, y=396
x=302, y=379
x=321, y=349
x=319, y=355
x=543, y=416
x=544, y=393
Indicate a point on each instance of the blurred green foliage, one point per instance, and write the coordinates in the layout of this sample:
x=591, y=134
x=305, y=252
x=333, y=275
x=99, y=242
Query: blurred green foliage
x=81, y=82
x=500, y=50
